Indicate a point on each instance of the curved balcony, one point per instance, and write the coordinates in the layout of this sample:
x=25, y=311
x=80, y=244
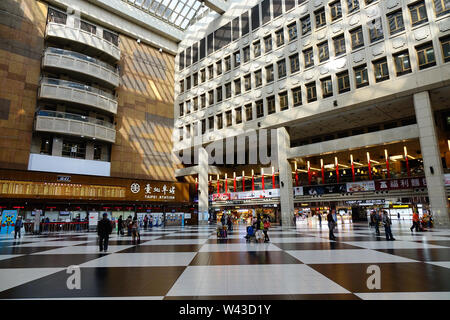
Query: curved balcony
x=75, y=125
x=77, y=93
x=80, y=64
x=93, y=41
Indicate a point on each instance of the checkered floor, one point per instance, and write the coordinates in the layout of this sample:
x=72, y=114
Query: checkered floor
x=191, y=263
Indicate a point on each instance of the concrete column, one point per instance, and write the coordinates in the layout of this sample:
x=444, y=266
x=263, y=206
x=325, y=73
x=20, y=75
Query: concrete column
x=431, y=159
x=203, y=186
x=57, y=147
x=286, y=188
x=89, y=150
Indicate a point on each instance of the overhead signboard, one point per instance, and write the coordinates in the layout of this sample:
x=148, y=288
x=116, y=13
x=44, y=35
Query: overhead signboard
x=360, y=186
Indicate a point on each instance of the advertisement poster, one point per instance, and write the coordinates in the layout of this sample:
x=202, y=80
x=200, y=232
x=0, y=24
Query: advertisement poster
x=397, y=184
x=93, y=219
x=360, y=186
x=221, y=197
x=8, y=221
x=327, y=189
x=298, y=191
x=447, y=179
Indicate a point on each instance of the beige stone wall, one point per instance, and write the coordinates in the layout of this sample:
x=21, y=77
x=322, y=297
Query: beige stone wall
x=22, y=27
x=145, y=114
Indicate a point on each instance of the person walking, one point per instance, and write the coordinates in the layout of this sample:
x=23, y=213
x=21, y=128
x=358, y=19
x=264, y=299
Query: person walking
x=229, y=224
x=145, y=222
x=320, y=219
x=266, y=229
x=331, y=225
x=295, y=220
x=104, y=229
x=120, y=226
x=387, y=226
x=376, y=221
x=415, y=222
x=135, y=231
x=18, y=226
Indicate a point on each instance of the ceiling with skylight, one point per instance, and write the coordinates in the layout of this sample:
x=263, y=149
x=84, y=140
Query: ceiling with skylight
x=178, y=13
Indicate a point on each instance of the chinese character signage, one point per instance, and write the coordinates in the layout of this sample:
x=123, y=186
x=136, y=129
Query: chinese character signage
x=398, y=184
x=158, y=191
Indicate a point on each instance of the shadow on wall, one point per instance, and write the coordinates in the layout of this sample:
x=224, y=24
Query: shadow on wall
x=145, y=118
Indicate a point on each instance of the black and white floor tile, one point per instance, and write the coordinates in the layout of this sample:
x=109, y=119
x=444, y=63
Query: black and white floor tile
x=192, y=263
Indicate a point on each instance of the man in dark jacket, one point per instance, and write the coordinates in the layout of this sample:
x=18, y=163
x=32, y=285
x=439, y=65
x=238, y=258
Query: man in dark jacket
x=331, y=225
x=18, y=226
x=104, y=229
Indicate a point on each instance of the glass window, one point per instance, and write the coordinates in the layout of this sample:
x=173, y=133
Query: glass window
x=425, y=55
x=402, y=63
x=188, y=106
x=227, y=63
x=327, y=87
x=181, y=86
x=46, y=145
x=361, y=76
x=203, y=75
x=335, y=10
x=441, y=7
x=195, y=103
x=181, y=109
x=211, y=97
x=211, y=123
x=269, y=73
x=247, y=82
x=271, y=105
x=381, y=70
x=56, y=16
x=311, y=93
x=195, y=78
x=395, y=20
x=297, y=96
x=111, y=37
x=210, y=72
x=343, y=82
x=74, y=149
x=308, y=57
x=268, y=44
x=292, y=30
x=228, y=90
x=324, y=53
x=279, y=36
x=248, y=112
x=259, y=109
x=306, y=25
x=281, y=68
x=188, y=83
x=257, y=48
x=203, y=126
x=219, y=67
x=203, y=101
x=284, y=103
x=219, y=121
x=376, y=30
x=85, y=26
x=294, y=62
x=237, y=86
x=418, y=13
x=238, y=112
x=237, y=59
x=219, y=94
x=188, y=131
x=258, y=78
x=352, y=5
x=246, y=52
x=320, y=17
x=445, y=44
x=357, y=38
x=339, y=45
x=229, y=118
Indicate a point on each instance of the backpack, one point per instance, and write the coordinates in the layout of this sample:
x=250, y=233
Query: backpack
x=261, y=225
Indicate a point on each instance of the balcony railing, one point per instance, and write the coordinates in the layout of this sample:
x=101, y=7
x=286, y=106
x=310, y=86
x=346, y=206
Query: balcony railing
x=77, y=93
x=73, y=124
x=63, y=31
x=80, y=63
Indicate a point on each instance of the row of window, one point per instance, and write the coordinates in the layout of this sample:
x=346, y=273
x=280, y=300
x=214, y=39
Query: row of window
x=425, y=55
x=417, y=10
x=60, y=17
x=402, y=65
x=375, y=29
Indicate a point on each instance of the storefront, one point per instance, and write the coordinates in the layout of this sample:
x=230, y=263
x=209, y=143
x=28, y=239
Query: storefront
x=66, y=198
